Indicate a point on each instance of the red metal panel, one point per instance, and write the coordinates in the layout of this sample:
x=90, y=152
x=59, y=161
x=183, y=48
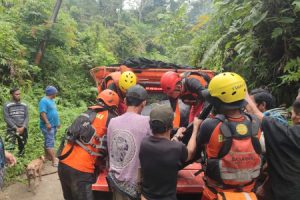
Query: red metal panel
x=101, y=184
x=186, y=183
x=148, y=77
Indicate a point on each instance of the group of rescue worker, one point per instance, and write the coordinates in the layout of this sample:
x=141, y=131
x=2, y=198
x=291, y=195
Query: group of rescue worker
x=229, y=140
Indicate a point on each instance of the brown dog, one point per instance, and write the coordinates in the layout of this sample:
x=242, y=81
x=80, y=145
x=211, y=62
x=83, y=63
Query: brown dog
x=34, y=169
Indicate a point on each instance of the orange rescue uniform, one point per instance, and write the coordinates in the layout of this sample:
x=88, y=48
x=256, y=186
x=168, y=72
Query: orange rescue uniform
x=80, y=159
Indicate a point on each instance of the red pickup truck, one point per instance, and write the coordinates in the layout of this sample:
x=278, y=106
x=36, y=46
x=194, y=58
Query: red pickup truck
x=189, y=186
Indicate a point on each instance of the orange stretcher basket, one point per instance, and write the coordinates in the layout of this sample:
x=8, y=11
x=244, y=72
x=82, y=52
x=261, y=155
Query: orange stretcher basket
x=187, y=182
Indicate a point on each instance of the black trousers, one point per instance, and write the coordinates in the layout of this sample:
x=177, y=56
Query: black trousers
x=76, y=185
x=10, y=139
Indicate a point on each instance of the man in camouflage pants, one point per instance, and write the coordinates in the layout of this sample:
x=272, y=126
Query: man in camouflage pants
x=16, y=117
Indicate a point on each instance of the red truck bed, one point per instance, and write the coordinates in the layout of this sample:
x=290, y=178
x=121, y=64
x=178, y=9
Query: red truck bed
x=148, y=77
x=186, y=183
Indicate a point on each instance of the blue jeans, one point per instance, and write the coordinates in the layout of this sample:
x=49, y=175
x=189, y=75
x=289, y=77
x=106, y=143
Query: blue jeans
x=49, y=137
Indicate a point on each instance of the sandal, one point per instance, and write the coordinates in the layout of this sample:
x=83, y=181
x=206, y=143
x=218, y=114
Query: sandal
x=55, y=164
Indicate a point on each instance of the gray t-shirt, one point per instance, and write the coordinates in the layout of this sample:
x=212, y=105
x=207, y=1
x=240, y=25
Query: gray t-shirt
x=15, y=114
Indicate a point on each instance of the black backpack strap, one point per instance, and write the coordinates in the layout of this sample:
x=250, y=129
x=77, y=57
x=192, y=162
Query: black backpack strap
x=92, y=153
x=104, y=82
x=220, y=117
x=62, y=157
x=255, y=125
x=227, y=134
x=61, y=147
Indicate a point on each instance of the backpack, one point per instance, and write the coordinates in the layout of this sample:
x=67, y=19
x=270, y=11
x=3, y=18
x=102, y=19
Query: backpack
x=82, y=133
x=238, y=161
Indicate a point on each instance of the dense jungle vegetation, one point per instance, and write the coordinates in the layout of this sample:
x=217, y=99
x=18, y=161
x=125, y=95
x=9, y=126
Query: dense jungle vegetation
x=259, y=39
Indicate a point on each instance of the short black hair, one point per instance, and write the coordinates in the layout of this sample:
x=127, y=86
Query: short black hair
x=157, y=127
x=13, y=90
x=262, y=95
x=296, y=106
x=131, y=101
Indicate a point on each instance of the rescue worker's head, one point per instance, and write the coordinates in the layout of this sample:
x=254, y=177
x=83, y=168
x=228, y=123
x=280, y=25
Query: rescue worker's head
x=226, y=91
x=127, y=80
x=296, y=112
x=161, y=119
x=15, y=94
x=109, y=98
x=136, y=97
x=170, y=83
x=263, y=99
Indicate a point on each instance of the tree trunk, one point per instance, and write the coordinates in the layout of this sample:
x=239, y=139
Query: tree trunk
x=43, y=43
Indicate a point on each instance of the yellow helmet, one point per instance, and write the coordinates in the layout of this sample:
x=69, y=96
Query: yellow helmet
x=228, y=87
x=127, y=80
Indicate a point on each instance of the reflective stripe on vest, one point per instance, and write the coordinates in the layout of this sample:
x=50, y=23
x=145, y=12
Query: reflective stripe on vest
x=241, y=164
x=237, y=196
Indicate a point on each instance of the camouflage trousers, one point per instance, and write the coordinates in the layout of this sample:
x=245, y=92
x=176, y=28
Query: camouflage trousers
x=1, y=178
x=12, y=137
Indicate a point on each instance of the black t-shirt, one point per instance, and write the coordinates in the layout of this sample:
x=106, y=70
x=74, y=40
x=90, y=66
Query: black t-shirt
x=283, y=156
x=206, y=129
x=161, y=159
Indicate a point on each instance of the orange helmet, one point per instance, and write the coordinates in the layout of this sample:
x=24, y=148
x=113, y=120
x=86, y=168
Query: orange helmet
x=109, y=97
x=168, y=81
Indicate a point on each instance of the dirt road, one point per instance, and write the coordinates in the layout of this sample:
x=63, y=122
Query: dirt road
x=48, y=189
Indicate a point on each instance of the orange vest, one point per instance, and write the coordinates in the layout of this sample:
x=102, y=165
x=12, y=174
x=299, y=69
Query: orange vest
x=79, y=158
x=176, y=121
x=203, y=80
x=233, y=155
x=111, y=78
x=201, y=77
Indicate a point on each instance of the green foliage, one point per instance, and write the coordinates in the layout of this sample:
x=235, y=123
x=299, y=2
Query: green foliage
x=292, y=70
x=12, y=61
x=34, y=147
x=258, y=39
x=126, y=42
x=87, y=33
